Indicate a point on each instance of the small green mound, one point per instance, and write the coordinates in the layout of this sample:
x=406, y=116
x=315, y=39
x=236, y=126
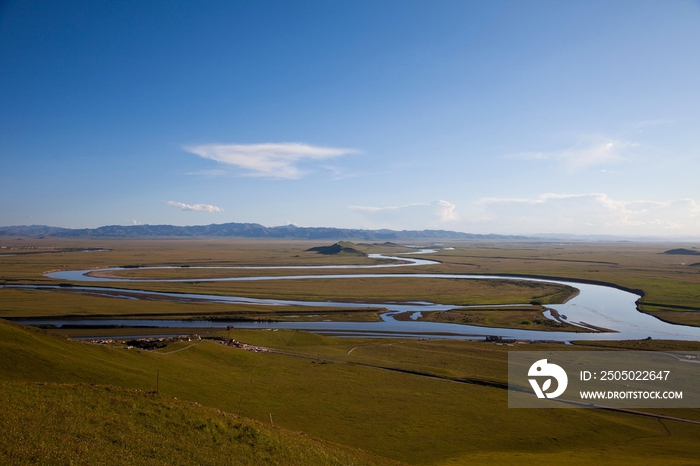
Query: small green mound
x=344, y=248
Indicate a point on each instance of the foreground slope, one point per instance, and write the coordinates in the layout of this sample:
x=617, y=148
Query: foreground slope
x=83, y=424
x=77, y=423
x=321, y=387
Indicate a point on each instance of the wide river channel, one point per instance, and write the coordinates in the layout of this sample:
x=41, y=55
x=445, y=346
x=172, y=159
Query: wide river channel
x=595, y=305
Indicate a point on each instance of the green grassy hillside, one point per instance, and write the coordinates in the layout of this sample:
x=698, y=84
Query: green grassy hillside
x=326, y=390
x=83, y=424
x=68, y=422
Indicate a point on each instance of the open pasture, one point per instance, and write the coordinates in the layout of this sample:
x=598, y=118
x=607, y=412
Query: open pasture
x=361, y=393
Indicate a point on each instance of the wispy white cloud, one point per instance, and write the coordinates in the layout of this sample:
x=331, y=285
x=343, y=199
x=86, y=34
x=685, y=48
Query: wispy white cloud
x=274, y=160
x=591, y=152
x=592, y=213
x=208, y=173
x=648, y=123
x=417, y=216
x=133, y=222
x=197, y=207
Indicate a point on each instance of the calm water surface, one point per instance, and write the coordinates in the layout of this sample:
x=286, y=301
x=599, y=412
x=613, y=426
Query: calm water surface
x=596, y=305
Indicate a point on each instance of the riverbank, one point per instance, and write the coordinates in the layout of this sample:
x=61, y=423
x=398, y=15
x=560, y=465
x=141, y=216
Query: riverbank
x=526, y=318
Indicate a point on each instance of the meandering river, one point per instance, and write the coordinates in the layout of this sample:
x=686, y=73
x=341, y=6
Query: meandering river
x=595, y=305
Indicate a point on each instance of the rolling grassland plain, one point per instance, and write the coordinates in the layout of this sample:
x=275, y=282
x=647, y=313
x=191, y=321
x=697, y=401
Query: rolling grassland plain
x=313, y=399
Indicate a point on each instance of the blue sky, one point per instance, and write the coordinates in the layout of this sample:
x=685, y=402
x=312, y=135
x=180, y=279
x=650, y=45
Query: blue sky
x=485, y=117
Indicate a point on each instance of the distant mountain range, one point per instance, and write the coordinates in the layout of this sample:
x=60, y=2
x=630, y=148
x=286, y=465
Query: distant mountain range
x=242, y=230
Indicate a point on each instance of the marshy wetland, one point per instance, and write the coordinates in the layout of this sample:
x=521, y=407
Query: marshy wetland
x=438, y=303
x=418, y=401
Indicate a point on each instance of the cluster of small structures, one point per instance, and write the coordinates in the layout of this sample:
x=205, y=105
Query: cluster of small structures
x=499, y=339
x=99, y=341
x=151, y=343
x=243, y=346
x=504, y=341
x=147, y=343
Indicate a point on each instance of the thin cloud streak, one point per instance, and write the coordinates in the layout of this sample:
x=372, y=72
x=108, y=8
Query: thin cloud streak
x=272, y=160
x=208, y=173
x=592, y=153
x=593, y=212
x=195, y=207
x=415, y=216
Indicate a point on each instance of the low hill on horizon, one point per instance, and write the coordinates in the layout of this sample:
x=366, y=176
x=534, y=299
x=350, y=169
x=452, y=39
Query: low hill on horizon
x=345, y=248
x=241, y=230
x=682, y=252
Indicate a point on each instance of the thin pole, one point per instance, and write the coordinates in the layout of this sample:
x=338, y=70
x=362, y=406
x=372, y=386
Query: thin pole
x=273, y=424
x=157, y=380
